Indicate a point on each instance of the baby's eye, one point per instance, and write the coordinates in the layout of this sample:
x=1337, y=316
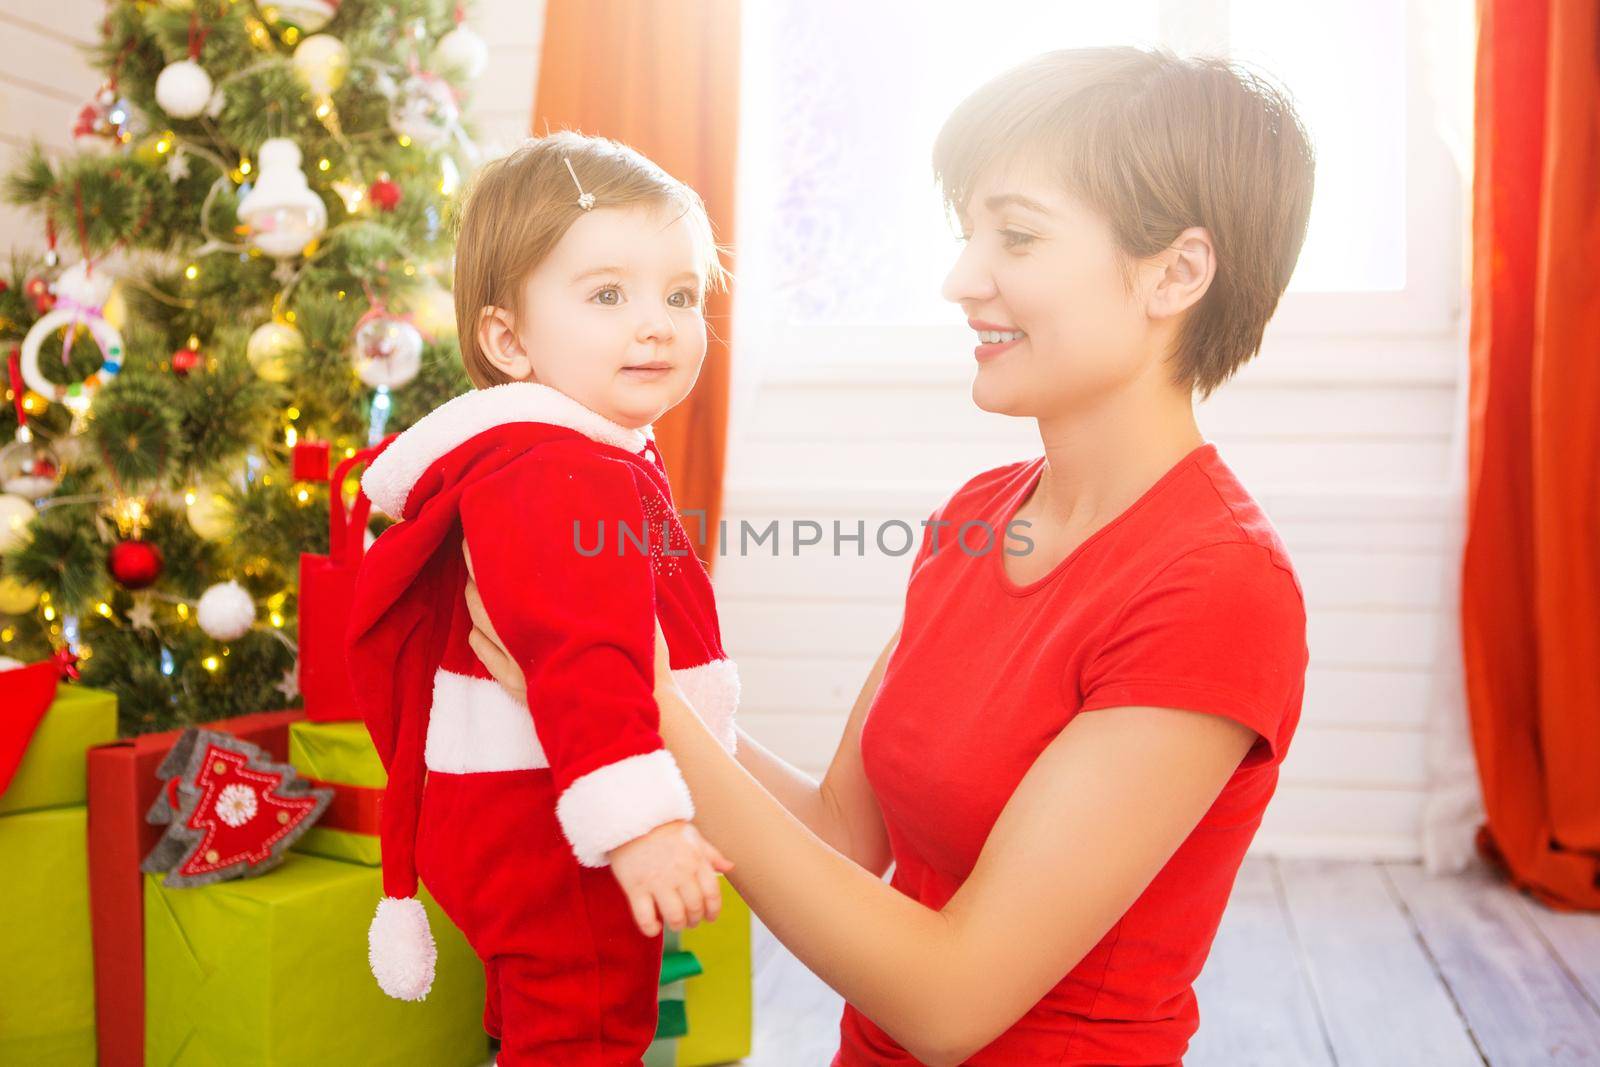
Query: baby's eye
x=684, y=298
x=610, y=295
x=1016, y=239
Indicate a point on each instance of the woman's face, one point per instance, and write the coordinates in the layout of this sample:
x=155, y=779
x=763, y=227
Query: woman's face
x=1038, y=261
x=613, y=316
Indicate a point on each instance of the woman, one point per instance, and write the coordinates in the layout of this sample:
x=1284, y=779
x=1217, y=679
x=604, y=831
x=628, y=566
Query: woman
x=1131, y=220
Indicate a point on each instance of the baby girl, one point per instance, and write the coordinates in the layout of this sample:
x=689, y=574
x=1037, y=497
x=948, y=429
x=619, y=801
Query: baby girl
x=552, y=830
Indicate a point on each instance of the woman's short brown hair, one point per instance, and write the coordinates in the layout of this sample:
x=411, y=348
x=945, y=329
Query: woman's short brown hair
x=519, y=206
x=1157, y=143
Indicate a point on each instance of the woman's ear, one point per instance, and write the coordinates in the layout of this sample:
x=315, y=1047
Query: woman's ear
x=1186, y=269
x=501, y=346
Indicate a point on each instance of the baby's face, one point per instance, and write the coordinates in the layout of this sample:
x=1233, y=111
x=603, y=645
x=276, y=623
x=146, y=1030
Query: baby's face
x=614, y=317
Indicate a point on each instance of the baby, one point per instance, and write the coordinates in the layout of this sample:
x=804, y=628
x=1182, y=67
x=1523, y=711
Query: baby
x=581, y=268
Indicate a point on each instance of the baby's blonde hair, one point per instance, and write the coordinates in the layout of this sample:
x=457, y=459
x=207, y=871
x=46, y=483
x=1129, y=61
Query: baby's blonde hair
x=520, y=205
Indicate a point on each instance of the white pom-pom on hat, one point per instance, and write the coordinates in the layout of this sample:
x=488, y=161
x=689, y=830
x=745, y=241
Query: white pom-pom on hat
x=400, y=948
x=226, y=611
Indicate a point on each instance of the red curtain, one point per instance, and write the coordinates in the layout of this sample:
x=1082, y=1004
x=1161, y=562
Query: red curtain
x=1531, y=572
x=662, y=76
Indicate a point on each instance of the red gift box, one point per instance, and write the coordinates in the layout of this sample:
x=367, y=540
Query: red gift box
x=327, y=589
x=310, y=461
x=122, y=786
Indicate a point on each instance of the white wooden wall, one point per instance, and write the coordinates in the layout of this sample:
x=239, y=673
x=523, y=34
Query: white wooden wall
x=44, y=82
x=1348, y=446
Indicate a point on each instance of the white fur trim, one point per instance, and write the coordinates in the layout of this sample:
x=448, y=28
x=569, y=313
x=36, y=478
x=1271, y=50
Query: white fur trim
x=475, y=725
x=616, y=803
x=390, y=478
x=400, y=948
x=712, y=689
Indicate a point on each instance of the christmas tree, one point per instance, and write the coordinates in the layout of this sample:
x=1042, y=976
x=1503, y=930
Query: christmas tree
x=249, y=252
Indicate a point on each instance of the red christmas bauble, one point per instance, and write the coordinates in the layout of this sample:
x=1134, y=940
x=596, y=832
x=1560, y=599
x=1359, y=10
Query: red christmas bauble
x=134, y=564
x=185, y=360
x=385, y=193
x=38, y=290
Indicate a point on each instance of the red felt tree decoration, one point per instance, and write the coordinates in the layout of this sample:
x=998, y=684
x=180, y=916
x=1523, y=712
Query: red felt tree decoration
x=230, y=811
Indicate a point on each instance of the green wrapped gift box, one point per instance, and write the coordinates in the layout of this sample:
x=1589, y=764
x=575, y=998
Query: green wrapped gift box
x=51, y=774
x=340, y=754
x=273, y=970
x=47, y=985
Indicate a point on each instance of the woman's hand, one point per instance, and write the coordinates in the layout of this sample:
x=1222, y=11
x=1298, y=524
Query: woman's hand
x=486, y=643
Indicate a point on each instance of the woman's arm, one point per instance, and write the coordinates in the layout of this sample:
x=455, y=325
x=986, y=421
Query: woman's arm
x=842, y=810
x=1092, y=822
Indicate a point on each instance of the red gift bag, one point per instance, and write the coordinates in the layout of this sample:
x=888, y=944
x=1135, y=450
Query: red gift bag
x=327, y=588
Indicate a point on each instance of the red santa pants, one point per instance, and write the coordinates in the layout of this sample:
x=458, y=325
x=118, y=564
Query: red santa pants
x=572, y=982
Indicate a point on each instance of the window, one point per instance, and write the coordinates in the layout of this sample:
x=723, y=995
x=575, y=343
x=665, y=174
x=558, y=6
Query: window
x=843, y=241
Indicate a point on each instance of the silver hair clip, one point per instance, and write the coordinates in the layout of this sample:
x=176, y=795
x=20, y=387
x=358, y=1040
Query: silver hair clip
x=585, y=200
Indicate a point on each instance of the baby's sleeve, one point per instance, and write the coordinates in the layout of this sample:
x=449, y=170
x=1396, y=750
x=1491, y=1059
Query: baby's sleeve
x=572, y=598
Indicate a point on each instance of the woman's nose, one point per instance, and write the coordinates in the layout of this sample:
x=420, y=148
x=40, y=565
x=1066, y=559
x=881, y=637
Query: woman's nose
x=969, y=279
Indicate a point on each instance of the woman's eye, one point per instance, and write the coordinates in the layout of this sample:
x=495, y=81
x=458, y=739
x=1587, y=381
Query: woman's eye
x=1016, y=239
x=611, y=294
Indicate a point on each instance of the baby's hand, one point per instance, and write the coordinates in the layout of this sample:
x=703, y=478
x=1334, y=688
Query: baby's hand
x=671, y=868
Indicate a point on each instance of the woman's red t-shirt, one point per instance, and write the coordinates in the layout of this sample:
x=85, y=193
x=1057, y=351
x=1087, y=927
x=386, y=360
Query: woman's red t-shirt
x=1185, y=600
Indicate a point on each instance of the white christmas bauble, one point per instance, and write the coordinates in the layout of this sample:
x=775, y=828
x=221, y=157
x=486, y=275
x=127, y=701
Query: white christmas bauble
x=183, y=89
x=226, y=611
x=15, y=515
x=424, y=109
x=320, y=62
x=15, y=597
x=209, y=514
x=270, y=348
x=309, y=15
x=387, y=351
x=462, y=52
x=283, y=214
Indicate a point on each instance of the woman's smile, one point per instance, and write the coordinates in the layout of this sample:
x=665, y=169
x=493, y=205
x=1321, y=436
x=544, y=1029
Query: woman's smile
x=993, y=339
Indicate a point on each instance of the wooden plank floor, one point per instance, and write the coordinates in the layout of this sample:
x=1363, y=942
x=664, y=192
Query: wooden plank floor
x=1329, y=963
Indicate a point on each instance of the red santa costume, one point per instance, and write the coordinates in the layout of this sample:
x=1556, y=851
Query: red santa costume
x=507, y=809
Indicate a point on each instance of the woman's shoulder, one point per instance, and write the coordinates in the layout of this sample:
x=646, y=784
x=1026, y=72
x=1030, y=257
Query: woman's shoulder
x=1222, y=511
x=974, y=495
